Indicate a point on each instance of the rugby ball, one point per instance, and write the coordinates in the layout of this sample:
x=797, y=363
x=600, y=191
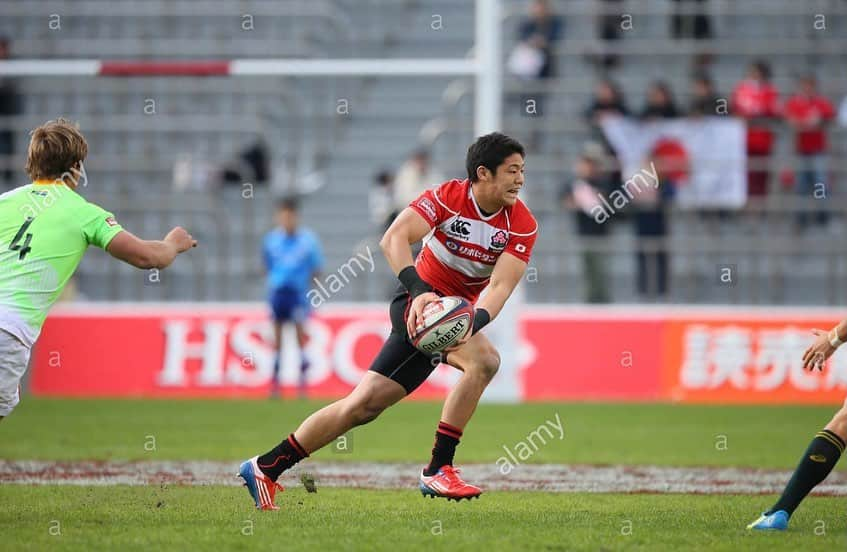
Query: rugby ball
x=445, y=321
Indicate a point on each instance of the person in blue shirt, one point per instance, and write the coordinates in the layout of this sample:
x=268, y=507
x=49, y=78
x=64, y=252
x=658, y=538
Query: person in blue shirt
x=293, y=258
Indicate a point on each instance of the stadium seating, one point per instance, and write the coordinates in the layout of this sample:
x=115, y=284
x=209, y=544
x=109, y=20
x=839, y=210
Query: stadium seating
x=203, y=122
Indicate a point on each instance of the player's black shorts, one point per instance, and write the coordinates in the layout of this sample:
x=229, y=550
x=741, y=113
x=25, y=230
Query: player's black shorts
x=398, y=359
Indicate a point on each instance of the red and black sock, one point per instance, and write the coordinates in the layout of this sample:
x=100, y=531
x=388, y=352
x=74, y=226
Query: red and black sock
x=821, y=456
x=281, y=457
x=446, y=439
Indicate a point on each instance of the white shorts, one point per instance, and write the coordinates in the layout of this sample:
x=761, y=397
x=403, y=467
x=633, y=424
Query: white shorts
x=14, y=359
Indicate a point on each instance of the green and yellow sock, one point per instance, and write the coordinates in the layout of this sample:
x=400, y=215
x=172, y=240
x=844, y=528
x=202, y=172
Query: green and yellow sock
x=821, y=456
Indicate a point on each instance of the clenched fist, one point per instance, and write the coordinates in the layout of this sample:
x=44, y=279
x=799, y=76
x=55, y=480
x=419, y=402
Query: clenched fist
x=180, y=239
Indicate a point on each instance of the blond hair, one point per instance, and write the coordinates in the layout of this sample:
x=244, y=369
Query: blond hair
x=55, y=147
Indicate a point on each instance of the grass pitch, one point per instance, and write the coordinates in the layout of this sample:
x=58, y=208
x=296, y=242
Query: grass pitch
x=171, y=517
x=655, y=434
x=205, y=518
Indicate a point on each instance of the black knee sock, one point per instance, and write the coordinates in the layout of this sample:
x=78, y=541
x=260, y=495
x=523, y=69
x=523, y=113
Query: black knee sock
x=281, y=457
x=446, y=439
x=817, y=462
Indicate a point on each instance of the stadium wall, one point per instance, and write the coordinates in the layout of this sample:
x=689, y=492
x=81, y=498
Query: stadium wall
x=687, y=354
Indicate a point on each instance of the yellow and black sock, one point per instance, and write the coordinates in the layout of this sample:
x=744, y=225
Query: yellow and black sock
x=821, y=456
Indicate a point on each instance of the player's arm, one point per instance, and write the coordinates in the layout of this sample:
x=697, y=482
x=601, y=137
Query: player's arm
x=505, y=277
x=396, y=244
x=409, y=227
x=150, y=253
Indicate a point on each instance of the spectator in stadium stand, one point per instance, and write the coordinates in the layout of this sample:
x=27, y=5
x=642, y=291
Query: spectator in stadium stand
x=381, y=201
x=704, y=99
x=690, y=20
x=10, y=106
x=252, y=164
x=756, y=100
x=660, y=103
x=607, y=101
x=534, y=58
x=650, y=218
x=580, y=196
x=704, y=103
x=651, y=229
x=414, y=177
x=541, y=30
x=808, y=113
x=608, y=30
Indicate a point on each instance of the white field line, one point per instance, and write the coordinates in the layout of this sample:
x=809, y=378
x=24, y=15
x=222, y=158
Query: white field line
x=526, y=477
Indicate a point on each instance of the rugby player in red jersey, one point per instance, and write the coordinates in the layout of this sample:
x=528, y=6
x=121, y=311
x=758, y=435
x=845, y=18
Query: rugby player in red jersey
x=476, y=233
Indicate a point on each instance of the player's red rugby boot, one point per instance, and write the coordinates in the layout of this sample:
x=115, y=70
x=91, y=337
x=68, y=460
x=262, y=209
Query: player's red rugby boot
x=261, y=488
x=447, y=484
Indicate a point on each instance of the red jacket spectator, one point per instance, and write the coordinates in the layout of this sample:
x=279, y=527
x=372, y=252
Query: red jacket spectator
x=808, y=112
x=756, y=99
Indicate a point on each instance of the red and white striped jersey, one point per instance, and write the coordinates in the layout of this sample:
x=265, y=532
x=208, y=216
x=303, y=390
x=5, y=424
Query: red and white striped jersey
x=459, y=254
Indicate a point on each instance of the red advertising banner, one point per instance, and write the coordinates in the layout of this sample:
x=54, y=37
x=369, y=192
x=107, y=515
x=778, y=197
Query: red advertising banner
x=200, y=351
x=618, y=353
x=592, y=359
x=749, y=360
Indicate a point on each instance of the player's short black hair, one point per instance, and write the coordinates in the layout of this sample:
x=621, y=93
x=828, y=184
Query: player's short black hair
x=490, y=151
x=288, y=203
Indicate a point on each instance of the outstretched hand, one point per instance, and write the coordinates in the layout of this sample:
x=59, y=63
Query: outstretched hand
x=818, y=352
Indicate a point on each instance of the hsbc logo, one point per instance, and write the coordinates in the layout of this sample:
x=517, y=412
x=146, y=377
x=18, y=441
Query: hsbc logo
x=461, y=228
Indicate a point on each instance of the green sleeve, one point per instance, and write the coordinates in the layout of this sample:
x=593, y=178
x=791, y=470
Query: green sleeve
x=98, y=225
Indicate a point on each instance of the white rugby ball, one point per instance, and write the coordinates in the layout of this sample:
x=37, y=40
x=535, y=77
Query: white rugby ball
x=445, y=322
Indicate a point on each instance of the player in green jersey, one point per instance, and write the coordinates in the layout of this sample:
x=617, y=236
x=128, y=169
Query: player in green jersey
x=45, y=228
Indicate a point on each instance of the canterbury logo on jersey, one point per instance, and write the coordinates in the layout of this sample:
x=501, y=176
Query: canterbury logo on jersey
x=460, y=227
x=478, y=233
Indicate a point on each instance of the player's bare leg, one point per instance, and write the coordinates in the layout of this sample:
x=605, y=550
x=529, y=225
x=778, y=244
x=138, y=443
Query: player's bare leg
x=479, y=361
x=838, y=424
x=374, y=394
x=304, y=362
x=277, y=344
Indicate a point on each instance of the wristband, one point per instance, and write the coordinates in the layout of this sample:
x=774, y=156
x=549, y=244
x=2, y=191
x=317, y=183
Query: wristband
x=834, y=340
x=412, y=282
x=480, y=319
